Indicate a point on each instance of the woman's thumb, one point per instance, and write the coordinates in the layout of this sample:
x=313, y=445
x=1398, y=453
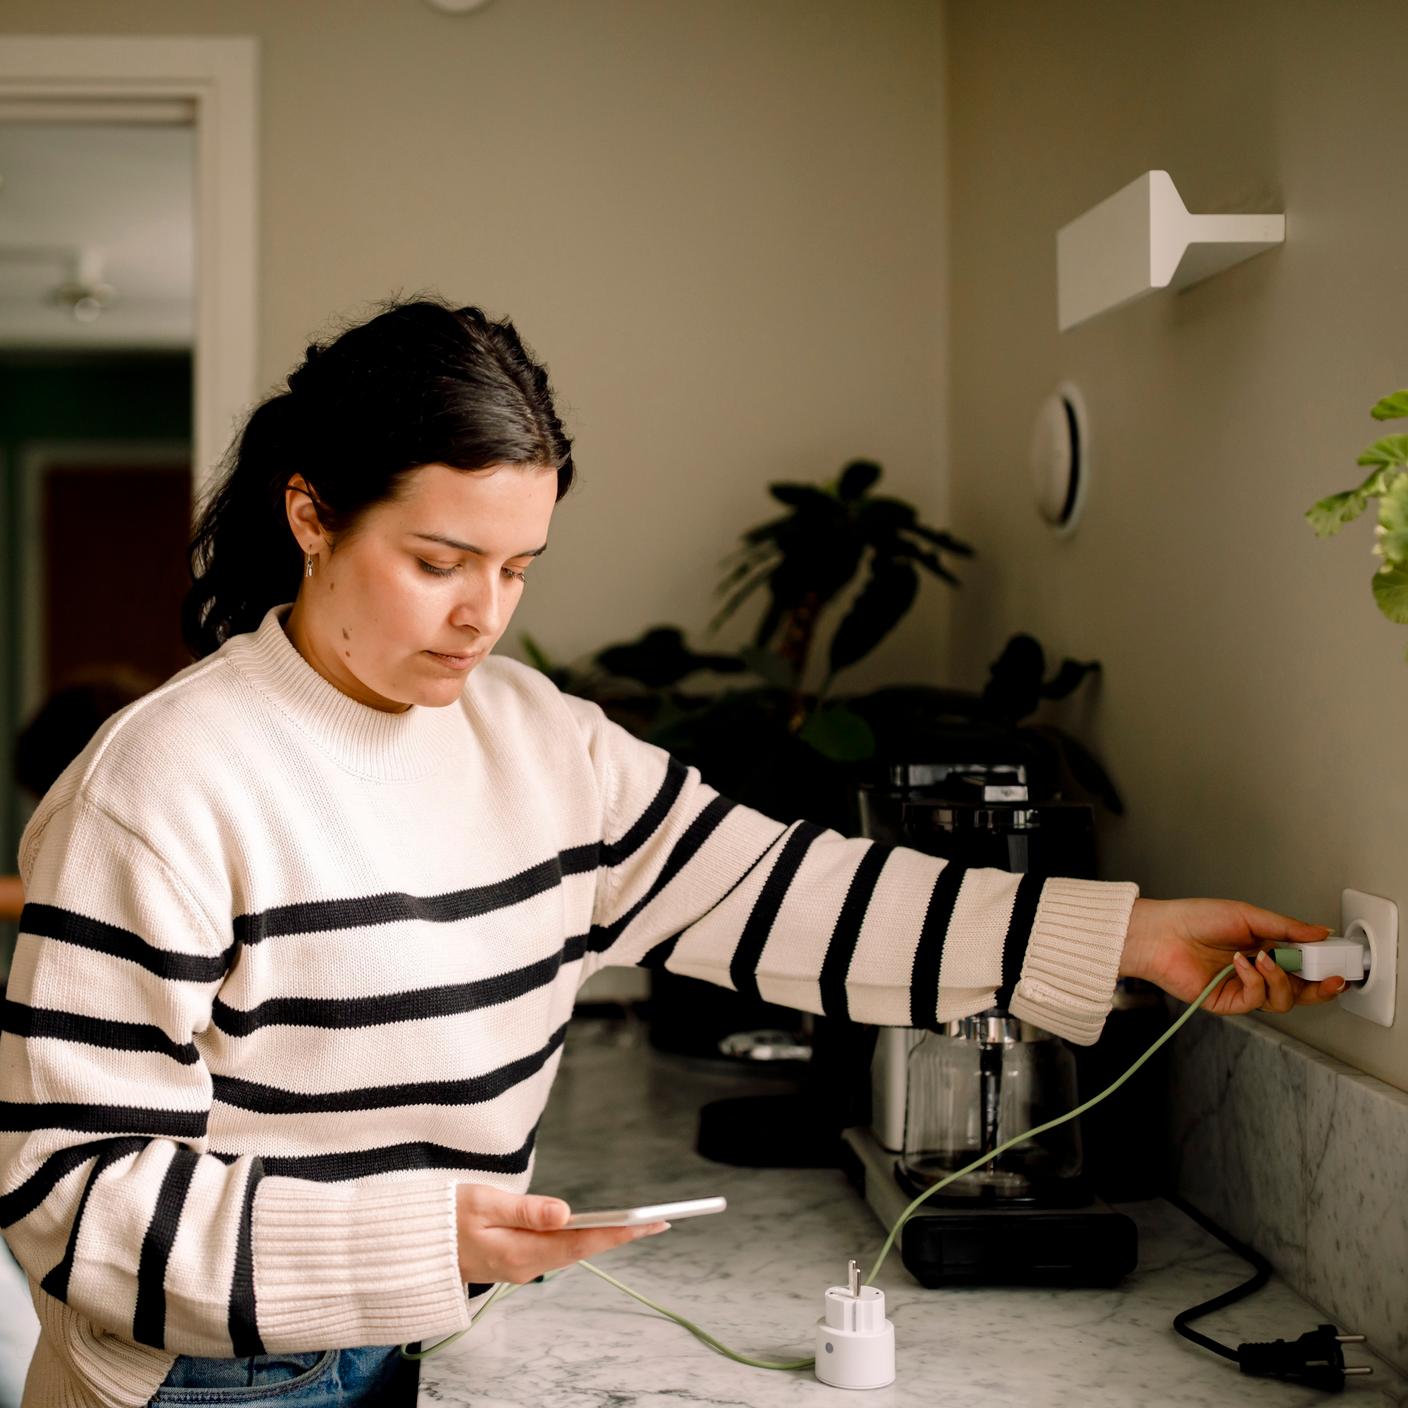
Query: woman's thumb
x=542, y=1214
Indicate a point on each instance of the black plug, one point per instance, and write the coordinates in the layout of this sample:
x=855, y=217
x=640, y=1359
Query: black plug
x=1316, y=1359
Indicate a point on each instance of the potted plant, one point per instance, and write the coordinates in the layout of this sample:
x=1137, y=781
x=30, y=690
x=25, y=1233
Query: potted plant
x=1387, y=460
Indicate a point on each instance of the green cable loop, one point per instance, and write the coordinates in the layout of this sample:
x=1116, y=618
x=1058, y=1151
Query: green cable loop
x=506, y=1288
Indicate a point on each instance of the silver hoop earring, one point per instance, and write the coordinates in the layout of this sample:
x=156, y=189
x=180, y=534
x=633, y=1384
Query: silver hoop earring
x=308, y=564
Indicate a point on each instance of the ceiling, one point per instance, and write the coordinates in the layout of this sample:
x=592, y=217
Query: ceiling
x=87, y=205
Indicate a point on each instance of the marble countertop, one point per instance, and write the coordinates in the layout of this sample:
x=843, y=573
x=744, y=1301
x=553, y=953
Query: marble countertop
x=620, y=1129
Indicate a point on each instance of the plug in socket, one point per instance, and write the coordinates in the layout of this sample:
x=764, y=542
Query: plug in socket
x=1374, y=921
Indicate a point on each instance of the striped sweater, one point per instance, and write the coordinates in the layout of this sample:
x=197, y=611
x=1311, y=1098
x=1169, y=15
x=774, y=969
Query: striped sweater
x=291, y=968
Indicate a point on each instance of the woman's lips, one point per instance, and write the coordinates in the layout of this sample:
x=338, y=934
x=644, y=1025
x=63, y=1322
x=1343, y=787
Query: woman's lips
x=453, y=662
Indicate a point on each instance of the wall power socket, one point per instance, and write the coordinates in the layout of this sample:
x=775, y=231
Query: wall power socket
x=1374, y=922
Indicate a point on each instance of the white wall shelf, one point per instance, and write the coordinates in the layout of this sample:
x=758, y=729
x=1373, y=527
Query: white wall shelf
x=1143, y=238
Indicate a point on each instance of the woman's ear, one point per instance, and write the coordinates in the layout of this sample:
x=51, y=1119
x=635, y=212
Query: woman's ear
x=302, y=510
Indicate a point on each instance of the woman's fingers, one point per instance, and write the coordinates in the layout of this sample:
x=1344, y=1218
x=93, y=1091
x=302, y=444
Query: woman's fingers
x=1253, y=985
x=1279, y=995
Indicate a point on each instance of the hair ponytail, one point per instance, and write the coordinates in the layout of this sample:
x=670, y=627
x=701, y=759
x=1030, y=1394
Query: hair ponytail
x=420, y=383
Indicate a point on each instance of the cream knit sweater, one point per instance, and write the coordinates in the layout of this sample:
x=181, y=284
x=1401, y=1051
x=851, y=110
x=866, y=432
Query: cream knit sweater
x=291, y=968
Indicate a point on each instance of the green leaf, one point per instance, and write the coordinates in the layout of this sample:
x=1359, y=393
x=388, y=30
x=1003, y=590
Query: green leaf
x=1393, y=520
x=941, y=539
x=1391, y=450
x=660, y=658
x=805, y=497
x=876, y=610
x=837, y=733
x=1328, y=516
x=856, y=478
x=1394, y=407
x=1391, y=593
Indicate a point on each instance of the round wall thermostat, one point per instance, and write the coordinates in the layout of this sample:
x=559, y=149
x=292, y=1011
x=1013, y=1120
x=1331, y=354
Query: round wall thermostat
x=1060, y=458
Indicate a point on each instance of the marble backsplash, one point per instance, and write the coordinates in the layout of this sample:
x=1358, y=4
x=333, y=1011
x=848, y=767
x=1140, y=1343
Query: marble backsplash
x=1304, y=1158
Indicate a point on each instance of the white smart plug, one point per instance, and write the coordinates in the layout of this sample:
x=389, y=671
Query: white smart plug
x=855, y=1343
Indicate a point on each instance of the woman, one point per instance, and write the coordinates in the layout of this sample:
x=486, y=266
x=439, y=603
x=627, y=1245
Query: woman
x=304, y=926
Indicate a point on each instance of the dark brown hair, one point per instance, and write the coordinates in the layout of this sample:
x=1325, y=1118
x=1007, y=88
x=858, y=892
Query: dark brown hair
x=419, y=383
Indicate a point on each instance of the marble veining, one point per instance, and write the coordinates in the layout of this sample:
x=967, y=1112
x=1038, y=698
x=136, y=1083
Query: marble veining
x=620, y=1127
x=1305, y=1158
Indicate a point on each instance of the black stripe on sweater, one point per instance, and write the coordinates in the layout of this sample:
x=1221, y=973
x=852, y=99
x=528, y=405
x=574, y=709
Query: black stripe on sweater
x=149, y=1317
x=646, y=825
x=101, y=1119
x=929, y=955
x=55, y=1283
x=841, y=950
x=684, y=850
x=271, y=1100
x=743, y=966
x=366, y=911
x=417, y=1005
x=1019, y=932
x=659, y=956
x=19, y=1202
x=244, y=1311
x=24, y=1021
x=393, y=1158
x=369, y=911
x=47, y=921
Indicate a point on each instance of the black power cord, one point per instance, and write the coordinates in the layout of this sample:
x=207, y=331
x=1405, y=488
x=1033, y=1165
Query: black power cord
x=1316, y=1359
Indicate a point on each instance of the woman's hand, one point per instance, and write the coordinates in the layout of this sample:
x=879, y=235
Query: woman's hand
x=1181, y=944
x=518, y=1236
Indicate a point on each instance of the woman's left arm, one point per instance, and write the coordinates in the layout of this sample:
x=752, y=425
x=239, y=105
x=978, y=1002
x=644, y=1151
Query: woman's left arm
x=794, y=914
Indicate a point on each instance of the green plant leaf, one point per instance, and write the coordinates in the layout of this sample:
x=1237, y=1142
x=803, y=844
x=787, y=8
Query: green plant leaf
x=856, y=478
x=839, y=734
x=660, y=658
x=874, y=613
x=1391, y=450
x=940, y=539
x=1328, y=516
x=1391, y=593
x=805, y=498
x=1393, y=521
x=1394, y=407
x=925, y=559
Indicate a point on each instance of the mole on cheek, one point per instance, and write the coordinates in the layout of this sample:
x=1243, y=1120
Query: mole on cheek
x=345, y=636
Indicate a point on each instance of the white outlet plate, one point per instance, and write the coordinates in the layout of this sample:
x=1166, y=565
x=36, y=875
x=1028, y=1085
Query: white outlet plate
x=1378, y=919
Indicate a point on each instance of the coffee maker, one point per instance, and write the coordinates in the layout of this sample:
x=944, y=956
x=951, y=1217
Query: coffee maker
x=941, y=1098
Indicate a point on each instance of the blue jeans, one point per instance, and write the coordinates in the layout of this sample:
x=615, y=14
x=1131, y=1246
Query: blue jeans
x=330, y=1379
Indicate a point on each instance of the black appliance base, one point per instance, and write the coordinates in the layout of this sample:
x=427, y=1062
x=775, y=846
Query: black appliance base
x=1092, y=1246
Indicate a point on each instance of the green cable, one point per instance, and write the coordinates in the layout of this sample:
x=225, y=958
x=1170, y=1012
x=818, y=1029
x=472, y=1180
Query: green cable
x=506, y=1288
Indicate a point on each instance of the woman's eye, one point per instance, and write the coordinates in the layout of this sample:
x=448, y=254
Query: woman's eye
x=515, y=575
x=433, y=570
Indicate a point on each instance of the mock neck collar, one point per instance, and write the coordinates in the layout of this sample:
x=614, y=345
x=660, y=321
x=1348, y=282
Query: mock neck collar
x=371, y=742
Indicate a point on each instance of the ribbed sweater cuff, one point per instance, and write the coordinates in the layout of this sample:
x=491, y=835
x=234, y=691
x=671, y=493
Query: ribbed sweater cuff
x=1073, y=957
x=338, y=1266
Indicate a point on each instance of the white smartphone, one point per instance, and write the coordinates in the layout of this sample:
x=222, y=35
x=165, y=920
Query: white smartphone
x=653, y=1212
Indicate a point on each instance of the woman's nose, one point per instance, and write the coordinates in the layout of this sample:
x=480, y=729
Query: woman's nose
x=480, y=608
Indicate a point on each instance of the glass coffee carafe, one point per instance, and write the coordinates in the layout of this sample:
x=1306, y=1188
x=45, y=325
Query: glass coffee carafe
x=972, y=1085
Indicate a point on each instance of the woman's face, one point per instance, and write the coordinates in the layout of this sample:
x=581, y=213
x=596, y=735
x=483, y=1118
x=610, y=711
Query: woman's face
x=417, y=595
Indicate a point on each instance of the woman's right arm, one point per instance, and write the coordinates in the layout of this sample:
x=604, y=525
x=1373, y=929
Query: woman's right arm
x=108, y=1197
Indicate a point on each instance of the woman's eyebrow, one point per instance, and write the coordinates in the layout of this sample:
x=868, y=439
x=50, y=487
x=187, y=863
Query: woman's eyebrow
x=469, y=547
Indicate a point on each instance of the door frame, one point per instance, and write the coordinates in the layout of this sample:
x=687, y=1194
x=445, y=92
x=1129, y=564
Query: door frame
x=43, y=75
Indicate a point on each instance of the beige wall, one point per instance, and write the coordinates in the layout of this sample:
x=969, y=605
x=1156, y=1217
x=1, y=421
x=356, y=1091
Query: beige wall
x=720, y=224
x=1253, y=701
